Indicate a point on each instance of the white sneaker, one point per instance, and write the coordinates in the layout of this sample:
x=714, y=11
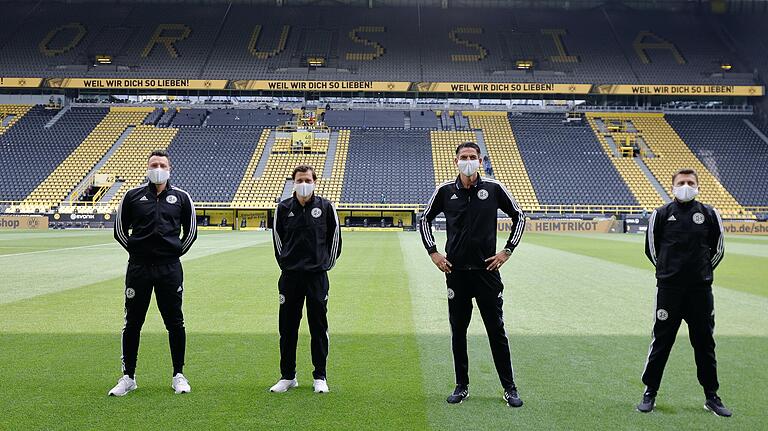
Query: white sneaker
x=321, y=386
x=123, y=386
x=283, y=385
x=180, y=384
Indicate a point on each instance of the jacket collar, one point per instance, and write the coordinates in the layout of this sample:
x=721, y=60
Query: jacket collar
x=310, y=202
x=478, y=181
x=153, y=188
x=685, y=205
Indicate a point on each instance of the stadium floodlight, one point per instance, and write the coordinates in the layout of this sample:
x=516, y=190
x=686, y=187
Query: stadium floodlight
x=103, y=59
x=316, y=61
x=524, y=64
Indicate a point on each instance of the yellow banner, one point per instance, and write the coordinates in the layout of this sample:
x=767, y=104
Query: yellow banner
x=253, y=218
x=398, y=216
x=383, y=86
x=745, y=227
x=556, y=225
x=684, y=90
x=371, y=229
x=23, y=222
x=500, y=87
x=20, y=82
x=217, y=216
x=139, y=83
x=321, y=85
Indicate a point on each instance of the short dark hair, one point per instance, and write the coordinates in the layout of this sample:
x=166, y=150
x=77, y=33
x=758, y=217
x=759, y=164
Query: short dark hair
x=159, y=153
x=303, y=168
x=468, y=145
x=685, y=171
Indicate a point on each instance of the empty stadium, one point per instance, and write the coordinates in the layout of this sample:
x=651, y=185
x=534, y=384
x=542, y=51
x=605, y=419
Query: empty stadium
x=585, y=109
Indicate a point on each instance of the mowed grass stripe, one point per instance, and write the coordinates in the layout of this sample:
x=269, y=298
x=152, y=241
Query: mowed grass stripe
x=579, y=329
x=746, y=273
x=231, y=306
x=552, y=291
x=59, y=269
x=34, y=243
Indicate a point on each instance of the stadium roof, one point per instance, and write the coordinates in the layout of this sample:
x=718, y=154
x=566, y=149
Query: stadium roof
x=722, y=5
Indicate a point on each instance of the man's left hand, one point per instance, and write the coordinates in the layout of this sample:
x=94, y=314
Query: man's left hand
x=495, y=262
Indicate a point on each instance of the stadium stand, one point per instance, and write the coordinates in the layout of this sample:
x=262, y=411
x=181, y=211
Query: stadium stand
x=247, y=193
x=671, y=153
x=731, y=150
x=424, y=120
x=129, y=163
x=668, y=48
x=346, y=119
x=374, y=171
x=189, y=118
x=546, y=161
x=644, y=192
x=10, y=114
x=209, y=163
x=330, y=187
x=280, y=165
x=565, y=162
x=247, y=118
x=503, y=150
x=72, y=170
x=40, y=150
x=745, y=33
x=444, y=145
x=600, y=46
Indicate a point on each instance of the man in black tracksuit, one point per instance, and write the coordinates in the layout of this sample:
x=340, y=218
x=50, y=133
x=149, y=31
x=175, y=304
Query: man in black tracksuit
x=470, y=204
x=148, y=225
x=307, y=242
x=684, y=241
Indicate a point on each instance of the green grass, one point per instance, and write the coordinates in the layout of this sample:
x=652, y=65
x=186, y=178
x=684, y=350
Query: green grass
x=578, y=310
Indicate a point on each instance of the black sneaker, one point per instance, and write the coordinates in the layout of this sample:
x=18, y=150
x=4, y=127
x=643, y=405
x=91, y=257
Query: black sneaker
x=715, y=405
x=459, y=394
x=512, y=398
x=648, y=403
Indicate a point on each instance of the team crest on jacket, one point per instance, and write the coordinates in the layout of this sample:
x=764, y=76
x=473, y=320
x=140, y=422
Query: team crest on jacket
x=316, y=212
x=451, y=293
x=282, y=299
x=482, y=194
x=130, y=293
x=171, y=199
x=662, y=314
x=698, y=218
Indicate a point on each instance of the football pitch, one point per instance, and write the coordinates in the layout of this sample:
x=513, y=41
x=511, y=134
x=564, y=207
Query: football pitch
x=578, y=311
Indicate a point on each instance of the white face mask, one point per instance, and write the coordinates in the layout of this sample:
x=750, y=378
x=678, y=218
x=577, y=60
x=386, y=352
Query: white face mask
x=685, y=193
x=468, y=167
x=304, y=190
x=158, y=175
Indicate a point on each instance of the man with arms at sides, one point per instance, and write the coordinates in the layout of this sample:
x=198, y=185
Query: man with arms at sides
x=149, y=220
x=684, y=242
x=307, y=241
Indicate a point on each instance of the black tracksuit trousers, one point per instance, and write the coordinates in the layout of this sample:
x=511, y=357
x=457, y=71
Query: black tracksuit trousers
x=167, y=281
x=695, y=305
x=486, y=287
x=294, y=288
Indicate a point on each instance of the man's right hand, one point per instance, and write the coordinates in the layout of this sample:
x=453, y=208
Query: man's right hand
x=441, y=262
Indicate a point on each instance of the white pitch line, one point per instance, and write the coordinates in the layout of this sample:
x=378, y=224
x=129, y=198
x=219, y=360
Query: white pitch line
x=249, y=244
x=55, y=250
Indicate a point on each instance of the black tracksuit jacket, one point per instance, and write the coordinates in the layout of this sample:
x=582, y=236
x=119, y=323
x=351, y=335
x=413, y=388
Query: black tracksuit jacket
x=155, y=223
x=470, y=216
x=685, y=242
x=306, y=238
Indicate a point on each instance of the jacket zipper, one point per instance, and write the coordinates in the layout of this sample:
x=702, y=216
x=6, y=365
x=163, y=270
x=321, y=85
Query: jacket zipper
x=157, y=212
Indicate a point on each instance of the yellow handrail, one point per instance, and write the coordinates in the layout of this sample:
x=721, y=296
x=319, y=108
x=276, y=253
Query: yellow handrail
x=79, y=190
